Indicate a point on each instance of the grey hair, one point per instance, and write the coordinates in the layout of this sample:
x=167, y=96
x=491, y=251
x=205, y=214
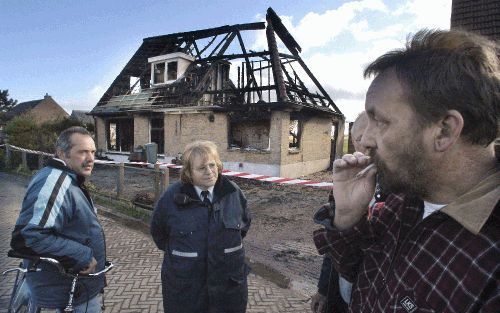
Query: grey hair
x=64, y=143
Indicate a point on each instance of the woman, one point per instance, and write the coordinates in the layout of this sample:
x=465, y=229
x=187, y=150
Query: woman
x=200, y=223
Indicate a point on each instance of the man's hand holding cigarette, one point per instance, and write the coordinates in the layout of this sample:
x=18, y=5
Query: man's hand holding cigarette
x=353, y=188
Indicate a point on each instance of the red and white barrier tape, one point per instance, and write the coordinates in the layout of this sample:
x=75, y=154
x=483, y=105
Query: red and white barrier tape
x=271, y=179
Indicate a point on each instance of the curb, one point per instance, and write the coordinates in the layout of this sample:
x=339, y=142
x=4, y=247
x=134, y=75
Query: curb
x=258, y=268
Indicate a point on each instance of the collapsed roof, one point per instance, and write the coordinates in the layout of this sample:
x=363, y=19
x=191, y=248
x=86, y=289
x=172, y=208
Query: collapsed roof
x=203, y=76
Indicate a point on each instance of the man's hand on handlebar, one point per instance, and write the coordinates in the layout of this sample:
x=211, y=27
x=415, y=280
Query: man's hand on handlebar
x=90, y=268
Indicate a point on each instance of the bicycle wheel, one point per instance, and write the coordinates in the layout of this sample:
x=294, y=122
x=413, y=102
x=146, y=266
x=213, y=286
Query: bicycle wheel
x=21, y=302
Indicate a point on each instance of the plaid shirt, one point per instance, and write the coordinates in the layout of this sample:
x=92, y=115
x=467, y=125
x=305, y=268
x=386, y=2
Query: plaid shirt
x=401, y=263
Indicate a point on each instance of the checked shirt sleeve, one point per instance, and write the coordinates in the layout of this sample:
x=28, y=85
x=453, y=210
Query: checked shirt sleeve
x=344, y=247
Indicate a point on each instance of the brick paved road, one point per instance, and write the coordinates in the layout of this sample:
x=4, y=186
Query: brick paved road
x=134, y=286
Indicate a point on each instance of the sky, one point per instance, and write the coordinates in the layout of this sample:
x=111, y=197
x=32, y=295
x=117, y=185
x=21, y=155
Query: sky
x=73, y=50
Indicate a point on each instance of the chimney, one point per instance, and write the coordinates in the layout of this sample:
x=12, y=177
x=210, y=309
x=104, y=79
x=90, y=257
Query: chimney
x=46, y=96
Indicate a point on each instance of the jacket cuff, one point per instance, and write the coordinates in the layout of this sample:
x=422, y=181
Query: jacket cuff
x=323, y=217
x=81, y=264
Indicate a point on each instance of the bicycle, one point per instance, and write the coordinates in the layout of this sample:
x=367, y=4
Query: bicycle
x=20, y=299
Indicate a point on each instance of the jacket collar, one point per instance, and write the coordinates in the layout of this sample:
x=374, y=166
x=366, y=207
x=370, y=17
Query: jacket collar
x=222, y=187
x=61, y=165
x=473, y=209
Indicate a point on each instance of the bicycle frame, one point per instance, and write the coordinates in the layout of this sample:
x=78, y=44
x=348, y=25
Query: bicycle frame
x=20, y=295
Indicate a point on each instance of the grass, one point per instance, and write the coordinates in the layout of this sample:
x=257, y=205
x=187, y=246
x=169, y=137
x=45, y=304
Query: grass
x=122, y=206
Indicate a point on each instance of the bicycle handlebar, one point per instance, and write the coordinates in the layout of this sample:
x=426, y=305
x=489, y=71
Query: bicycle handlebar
x=14, y=254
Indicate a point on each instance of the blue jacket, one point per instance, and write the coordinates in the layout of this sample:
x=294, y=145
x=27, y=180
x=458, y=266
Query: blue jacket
x=58, y=220
x=204, y=266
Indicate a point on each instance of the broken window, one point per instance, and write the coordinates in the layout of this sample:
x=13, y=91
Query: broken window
x=172, y=70
x=250, y=135
x=112, y=136
x=135, y=86
x=157, y=133
x=294, y=134
x=120, y=134
x=159, y=73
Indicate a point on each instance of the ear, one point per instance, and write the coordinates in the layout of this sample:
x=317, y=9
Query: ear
x=59, y=153
x=448, y=130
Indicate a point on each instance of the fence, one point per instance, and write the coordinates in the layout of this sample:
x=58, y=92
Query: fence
x=136, y=183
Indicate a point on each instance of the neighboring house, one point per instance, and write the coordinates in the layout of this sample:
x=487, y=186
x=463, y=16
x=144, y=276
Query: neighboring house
x=43, y=110
x=479, y=16
x=264, y=108
x=82, y=116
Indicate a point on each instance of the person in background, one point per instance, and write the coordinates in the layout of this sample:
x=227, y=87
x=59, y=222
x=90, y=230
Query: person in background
x=433, y=116
x=58, y=220
x=334, y=291
x=200, y=222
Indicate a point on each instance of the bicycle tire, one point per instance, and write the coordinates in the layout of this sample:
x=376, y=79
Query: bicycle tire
x=21, y=299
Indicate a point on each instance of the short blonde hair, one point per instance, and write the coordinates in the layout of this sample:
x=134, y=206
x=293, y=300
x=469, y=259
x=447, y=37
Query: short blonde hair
x=203, y=148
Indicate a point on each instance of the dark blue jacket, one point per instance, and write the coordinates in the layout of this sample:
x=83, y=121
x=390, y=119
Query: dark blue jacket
x=58, y=220
x=204, y=266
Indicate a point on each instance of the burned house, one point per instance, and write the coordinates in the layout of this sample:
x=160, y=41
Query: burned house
x=265, y=110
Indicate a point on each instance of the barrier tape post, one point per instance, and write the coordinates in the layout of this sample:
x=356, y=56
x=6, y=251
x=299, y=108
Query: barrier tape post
x=157, y=182
x=40, y=161
x=25, y=159
x=7, y=155
x=121, y=180
x=165, y=179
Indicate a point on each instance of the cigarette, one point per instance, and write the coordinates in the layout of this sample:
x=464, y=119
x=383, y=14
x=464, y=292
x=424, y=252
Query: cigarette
x=364, y=171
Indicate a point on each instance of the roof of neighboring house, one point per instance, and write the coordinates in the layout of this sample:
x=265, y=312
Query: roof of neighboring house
x=82, y=116
x=480, y=16
x=22, y=107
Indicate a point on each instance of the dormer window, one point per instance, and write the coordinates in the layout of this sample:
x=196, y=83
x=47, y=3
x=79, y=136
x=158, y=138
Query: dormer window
x=172, y=70
x=168, y=68
x=159, y=73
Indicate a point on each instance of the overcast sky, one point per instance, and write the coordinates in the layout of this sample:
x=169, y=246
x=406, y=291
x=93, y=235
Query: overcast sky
x=73, y=50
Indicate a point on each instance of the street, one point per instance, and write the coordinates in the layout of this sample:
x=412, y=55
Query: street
x=134, y=284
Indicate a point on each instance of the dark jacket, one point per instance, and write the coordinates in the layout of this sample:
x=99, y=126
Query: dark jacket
x=203, y=268
x=58, y=220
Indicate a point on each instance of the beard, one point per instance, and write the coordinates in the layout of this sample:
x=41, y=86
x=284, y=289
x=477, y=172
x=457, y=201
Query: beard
x=411, y=170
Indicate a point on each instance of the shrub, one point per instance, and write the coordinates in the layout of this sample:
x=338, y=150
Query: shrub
x=22, y=132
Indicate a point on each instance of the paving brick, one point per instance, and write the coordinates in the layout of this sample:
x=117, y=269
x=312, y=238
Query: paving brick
x=134, y=284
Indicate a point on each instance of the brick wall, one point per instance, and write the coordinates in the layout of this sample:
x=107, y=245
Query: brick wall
x=100, y=128
x=181, y=129
x=141, y=130
x=314, y=152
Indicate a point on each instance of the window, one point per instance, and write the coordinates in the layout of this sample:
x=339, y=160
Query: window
x=120, y=134
x=250, y=135
x=112, y=136
x=172, y=70
x=159, y=73
x=294, y=134
x=157, y=133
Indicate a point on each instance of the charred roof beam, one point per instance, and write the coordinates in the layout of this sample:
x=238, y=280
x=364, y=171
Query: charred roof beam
x=208, y=44
x=275, y=61
x=248, y=66
x=232, y=56
x=209, y=32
